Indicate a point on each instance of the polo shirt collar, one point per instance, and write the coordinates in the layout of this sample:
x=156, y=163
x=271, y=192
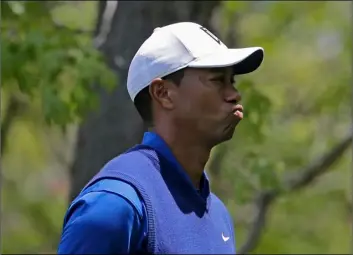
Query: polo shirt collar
x=156, y=142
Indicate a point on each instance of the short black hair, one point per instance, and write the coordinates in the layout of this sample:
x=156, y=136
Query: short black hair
x=143, y=100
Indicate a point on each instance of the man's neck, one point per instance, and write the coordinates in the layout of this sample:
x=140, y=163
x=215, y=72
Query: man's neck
x=191, y=155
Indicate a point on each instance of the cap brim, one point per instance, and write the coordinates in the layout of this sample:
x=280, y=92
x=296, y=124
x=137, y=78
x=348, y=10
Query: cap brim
x=244, y=60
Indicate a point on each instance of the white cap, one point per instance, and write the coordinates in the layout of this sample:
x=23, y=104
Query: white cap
x=185, y=44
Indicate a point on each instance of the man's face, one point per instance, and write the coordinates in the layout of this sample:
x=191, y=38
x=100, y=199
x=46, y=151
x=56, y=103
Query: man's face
x=207, y=103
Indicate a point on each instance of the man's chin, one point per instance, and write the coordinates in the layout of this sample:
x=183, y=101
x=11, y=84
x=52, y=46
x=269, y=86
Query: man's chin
x=227, y=134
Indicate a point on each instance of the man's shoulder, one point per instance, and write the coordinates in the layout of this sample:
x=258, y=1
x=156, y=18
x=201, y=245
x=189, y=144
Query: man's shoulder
x=132, y=168
x=216, y=200
x=222, y=211
x=93, y=215
x=129, y=158
x=120, y=189
x=117, y=193
x=218, y=203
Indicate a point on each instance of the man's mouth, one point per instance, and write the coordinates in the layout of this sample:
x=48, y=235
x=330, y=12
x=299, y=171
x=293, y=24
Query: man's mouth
x=238, y=111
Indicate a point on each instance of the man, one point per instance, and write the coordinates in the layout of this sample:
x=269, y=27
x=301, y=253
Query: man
x=155, y=198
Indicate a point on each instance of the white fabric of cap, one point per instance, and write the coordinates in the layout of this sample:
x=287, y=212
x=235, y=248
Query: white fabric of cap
x=181, y=45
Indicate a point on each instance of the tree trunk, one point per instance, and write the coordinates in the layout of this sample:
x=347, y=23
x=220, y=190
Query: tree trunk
x=116, y=125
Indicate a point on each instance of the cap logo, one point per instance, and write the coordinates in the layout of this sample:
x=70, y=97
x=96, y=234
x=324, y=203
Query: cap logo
x=211, y=35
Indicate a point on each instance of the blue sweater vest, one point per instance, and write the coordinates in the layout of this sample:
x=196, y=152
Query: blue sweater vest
x=180, y=220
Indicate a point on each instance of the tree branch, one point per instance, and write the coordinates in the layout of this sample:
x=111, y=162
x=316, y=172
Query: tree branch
x=291, y=183
x=106, y=23
x=318, y=167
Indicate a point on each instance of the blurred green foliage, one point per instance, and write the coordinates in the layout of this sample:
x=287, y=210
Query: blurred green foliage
x=297, y=106
x=50, y=69
x=42, y=59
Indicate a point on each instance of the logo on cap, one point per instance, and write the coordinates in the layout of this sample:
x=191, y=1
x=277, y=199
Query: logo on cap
x=211, y=35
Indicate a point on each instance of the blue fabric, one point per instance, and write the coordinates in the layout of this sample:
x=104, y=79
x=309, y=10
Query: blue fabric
x=106, y=211
x=179, y=218
x=154, y=141
x=109, y=216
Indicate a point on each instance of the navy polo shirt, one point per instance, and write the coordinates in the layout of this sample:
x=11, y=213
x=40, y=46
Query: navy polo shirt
x=109, y=209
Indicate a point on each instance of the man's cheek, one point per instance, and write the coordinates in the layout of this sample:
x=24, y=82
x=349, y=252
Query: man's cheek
x=186, y=109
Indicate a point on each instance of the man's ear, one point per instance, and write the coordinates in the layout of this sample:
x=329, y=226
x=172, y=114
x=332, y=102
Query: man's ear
x=160, y=91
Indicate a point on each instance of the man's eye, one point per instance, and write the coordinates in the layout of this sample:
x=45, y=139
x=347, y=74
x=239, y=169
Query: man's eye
x=218, y=79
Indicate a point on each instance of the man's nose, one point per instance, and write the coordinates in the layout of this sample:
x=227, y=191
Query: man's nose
x=233, y=95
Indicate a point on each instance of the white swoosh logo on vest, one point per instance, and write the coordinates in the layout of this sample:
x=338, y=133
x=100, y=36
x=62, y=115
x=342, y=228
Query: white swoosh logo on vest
x=225, y=239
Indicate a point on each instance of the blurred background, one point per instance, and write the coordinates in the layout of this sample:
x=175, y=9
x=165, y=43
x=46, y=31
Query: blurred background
x=285, y=176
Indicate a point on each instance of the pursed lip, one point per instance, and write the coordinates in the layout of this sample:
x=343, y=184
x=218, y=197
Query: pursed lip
x=235, y=115
x=237, y=111
x=237, y=107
